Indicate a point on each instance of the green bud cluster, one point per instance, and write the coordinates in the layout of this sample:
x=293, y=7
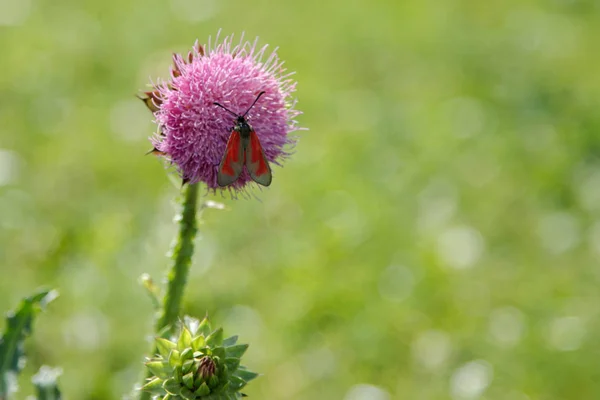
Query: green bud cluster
x=198, y=364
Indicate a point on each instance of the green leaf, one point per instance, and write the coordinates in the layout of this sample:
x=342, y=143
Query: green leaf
x=187, y=354
x=160, y=369
x=215, y=338
x=203, y=390
x=204, y=327
x=198, y=343
x=227, y=396
x=178, y=373
x=165, y=332
x=219, y=352
x=45, y=382
x=188, y=380
x=225, y=388
x=245, y=374
x=18, y=326
x=187, y=394
x=152, y=290
x=171, y=386
x=185, y=339
x=155, y=386
x=192, y=324
x=236, y=351
x=165, y=346
x=213, y=381
x=232, y=363
x=174, y=358
x=230, y=341
x=236, y=382
x=223, y=373
x=187, y=366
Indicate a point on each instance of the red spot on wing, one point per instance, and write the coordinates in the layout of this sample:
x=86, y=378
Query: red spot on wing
x=231, y=164
x=258, y=161
x=232, y=154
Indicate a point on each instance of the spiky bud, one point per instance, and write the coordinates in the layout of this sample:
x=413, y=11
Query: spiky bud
x=207, y=367
x=198, y=364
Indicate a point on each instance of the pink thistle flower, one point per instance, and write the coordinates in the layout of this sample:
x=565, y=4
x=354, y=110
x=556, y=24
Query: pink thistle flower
x=193, y=132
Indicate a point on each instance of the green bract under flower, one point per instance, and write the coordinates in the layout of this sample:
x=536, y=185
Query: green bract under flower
x=198, y=364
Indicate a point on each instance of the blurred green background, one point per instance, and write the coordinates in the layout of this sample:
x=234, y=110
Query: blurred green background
x=435, y=236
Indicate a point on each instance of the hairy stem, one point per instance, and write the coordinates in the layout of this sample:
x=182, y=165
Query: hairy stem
x=182, y=259
x=182, y=252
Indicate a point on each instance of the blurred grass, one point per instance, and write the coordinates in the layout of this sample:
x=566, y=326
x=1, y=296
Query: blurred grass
x=436, y=235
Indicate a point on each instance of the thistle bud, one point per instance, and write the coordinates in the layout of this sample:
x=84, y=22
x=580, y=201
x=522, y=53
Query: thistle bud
x=207, y=368
x=198, y=364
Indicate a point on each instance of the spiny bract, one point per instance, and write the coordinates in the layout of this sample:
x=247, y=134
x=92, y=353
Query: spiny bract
x=198, y=364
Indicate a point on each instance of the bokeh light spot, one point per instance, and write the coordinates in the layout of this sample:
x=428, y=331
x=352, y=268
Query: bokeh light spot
x=460, y=247
x=14, y=12
x=594, y=238
x=319, y=363
x=566, y=333
x=506, y=326
x=9, y=167
x=396, y=283
x=194, y=10
x=86, y=331
x=470, y=380
x=129, y=121
x=588, y=188
x=437, y=205
x=244, y=319
x=366, y=392
x=431, y=350
x=466, y=116
x=559, y=232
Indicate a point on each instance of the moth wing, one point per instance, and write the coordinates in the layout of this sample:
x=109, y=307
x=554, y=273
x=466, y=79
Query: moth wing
x=256, y=162
x=232, y=162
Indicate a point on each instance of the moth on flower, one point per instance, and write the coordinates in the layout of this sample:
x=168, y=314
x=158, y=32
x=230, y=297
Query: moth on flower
x=200, y=109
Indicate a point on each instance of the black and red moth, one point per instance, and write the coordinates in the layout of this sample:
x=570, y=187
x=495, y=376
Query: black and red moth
x=243, y=148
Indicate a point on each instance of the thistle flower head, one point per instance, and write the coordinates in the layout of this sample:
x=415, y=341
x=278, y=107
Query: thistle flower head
x=193, y=132
x=198, y=364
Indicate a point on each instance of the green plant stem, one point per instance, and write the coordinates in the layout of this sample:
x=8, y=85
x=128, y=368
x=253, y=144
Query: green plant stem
x=182, y=259
x=182, y=252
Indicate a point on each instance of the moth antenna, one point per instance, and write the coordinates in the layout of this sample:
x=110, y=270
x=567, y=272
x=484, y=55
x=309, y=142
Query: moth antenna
x=226, y=109
x=249, y=108
x=255, y=100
